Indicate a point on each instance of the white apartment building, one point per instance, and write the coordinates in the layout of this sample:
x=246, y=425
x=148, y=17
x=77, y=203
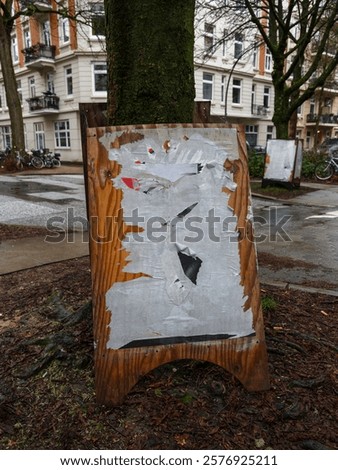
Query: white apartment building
x=61, y=64
x=235, y=76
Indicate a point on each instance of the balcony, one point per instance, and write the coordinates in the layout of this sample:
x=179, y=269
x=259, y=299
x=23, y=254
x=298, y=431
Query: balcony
x=48, y=103
x=259, y=110
x=39, y=56
x=39, y=5
x=329, y=119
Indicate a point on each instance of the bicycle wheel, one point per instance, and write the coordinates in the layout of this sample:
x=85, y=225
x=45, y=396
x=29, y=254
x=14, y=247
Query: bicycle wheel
x=37, y=162
x=323, y=171
x=56, y=162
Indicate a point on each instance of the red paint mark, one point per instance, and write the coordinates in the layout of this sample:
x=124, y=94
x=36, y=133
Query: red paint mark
x=132, y=183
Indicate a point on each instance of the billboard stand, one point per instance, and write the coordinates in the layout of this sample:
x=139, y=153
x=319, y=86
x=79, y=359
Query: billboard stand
x=283, y=163
x=173, y=257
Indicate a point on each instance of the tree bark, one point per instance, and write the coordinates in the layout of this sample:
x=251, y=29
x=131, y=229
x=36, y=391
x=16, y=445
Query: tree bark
x=12, y=96
x=281, y=116
x=150, y=46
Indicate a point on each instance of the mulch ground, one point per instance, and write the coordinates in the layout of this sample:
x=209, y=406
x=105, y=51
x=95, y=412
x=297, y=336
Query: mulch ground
x=47, y=393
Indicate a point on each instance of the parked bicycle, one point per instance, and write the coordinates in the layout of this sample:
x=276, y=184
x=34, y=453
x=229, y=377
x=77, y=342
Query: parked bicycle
x=52, y=159
x=37, y=158
x=44, y=158
x=325, y=169
x=4, y=155
x=19, y=159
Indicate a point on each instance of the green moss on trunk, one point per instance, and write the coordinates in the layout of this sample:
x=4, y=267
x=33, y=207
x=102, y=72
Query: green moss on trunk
x=150, y=61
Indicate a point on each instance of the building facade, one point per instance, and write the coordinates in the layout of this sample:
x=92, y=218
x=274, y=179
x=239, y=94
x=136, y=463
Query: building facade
x=234, y=74
x=61, y=64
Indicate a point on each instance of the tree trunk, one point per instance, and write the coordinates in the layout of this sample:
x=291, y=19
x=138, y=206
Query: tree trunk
x=13, y=100
x=150, y=46
x=281, y=114
x=293, y=125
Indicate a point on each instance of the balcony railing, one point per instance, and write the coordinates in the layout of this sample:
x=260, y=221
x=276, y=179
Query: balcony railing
x=47, y=103
x=323, y=118
x=39, y=55
x=259, y=110
x=40, y=5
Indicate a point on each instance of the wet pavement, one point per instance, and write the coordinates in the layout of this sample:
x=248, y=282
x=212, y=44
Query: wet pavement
x=35, y=200
x=302, y=233
x=303, y=229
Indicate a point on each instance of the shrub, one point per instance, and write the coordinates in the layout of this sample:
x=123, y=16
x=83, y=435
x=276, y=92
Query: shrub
x=256, y=164
x=310, y=160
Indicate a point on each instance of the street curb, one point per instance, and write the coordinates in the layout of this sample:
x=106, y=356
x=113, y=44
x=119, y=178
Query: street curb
x=311, y=290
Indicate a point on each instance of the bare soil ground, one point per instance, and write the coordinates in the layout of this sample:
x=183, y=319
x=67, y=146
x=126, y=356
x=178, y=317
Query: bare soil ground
x=47, y=396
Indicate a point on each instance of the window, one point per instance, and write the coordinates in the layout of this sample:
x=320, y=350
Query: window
x=98, y=21
x=266, y=97
x=238, y=45
x=3, y=97
x=46, y=36
x=224, y=42
x=328, y=103
x=62, y=134
x=253, y=97
x=268, y=60
x=100, y=77
x=6, y=136
x=269, y=132
x=236, y=91
x=19, y=88
x=239, y=4
x=208, y=80
x=50, y=82
x=15, y=53
x=312, y=106
x=209, y=33
x=64, y=30
x=27, y=38
x=69, y=80
x=39, y=133
x=255, y=57
x=223, y=89
x=308, y=139
x=31, y=87
x=251, y=134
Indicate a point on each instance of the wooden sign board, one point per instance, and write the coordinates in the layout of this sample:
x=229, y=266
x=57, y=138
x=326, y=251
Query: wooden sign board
x=173, y=257
x=283, y=162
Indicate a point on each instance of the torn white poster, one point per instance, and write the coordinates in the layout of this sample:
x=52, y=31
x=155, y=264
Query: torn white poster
x=186, y=244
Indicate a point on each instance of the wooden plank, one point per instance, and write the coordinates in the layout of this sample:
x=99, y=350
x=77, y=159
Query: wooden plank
x=118, y=369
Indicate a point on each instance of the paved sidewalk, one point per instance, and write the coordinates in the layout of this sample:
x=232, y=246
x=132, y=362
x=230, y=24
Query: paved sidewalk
x=25, y=253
